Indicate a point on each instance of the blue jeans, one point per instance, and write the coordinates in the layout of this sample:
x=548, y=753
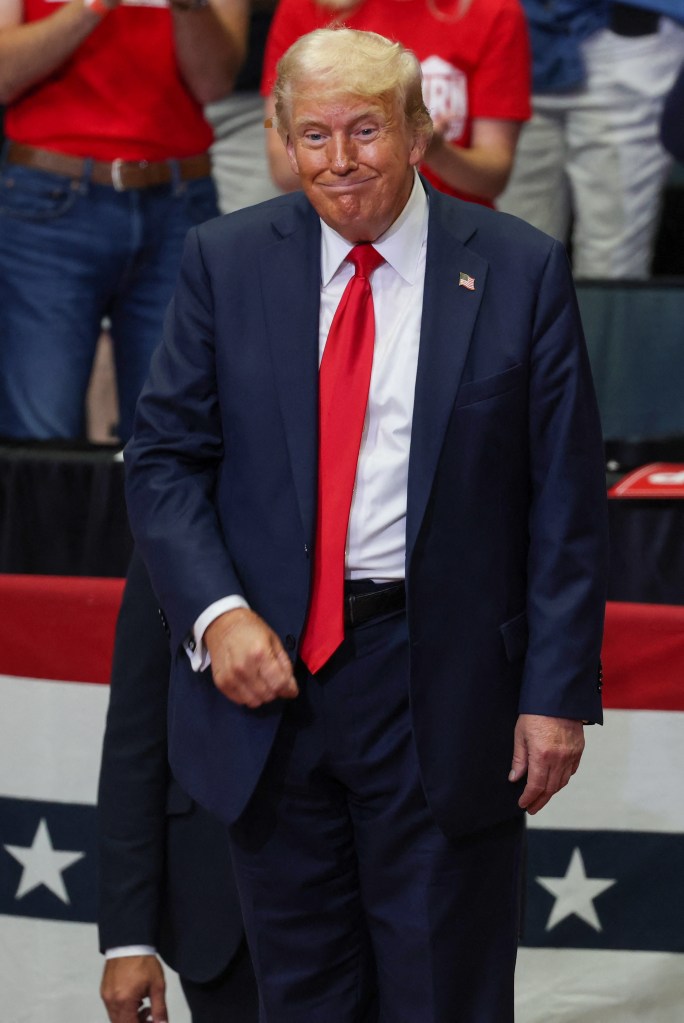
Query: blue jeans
x=72, y=253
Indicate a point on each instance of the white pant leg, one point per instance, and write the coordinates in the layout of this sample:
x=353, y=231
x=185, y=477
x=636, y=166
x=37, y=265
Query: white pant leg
x=239, y=163
x=537, y=190
x=616, y=165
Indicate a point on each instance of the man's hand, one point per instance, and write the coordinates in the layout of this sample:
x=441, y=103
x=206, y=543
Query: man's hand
x=126, y=981
x=549, y=750
x=248, y=662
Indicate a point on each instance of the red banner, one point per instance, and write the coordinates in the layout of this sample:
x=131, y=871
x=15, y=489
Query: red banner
x=62, y=628
x=58, y=627
x=643, y=657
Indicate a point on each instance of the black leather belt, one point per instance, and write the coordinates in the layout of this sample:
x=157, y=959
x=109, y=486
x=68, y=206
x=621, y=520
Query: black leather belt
x=379, y=599
x=626, y=19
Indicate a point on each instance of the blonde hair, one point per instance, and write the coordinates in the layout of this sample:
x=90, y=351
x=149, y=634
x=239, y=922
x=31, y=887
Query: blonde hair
x=344, y=61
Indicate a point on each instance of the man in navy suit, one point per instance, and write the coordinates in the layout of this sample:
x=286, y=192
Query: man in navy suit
x=165, y=883
x=376, y=798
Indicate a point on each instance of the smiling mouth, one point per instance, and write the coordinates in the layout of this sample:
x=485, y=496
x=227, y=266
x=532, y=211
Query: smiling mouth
x=345, y=184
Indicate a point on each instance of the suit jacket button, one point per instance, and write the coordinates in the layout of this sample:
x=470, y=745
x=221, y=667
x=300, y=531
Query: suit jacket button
x=290, y=642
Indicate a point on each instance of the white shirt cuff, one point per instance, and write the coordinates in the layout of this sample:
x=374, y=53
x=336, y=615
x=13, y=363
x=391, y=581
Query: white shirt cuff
x=130, y=950
x=194, y=645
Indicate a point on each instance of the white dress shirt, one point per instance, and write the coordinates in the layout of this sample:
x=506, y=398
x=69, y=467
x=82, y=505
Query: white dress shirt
x=376, y=540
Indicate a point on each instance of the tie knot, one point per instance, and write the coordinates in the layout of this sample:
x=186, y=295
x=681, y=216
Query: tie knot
x=365, y=259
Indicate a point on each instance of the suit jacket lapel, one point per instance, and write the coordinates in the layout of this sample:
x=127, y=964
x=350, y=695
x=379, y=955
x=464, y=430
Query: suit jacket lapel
x=449, y=314
x=290, y=274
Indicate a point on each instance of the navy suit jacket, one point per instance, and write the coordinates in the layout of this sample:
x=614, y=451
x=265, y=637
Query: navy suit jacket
x=505, y=530
x=165, y=876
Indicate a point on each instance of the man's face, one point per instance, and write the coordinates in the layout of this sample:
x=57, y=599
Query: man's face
x=355, y=160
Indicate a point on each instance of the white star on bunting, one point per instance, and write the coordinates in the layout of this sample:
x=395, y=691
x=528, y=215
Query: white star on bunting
x=575, y=893
x=43, y=864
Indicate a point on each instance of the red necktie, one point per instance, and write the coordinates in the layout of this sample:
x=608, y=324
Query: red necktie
x=344, y=380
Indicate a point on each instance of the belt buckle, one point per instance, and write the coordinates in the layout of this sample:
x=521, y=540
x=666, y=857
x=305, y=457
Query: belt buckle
x=117, y=179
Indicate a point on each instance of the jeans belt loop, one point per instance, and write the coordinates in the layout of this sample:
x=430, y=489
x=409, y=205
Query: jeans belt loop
x=117, y=179
x=84, y=182
x=177, y=181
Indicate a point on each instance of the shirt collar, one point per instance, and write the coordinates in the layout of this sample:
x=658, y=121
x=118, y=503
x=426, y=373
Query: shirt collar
x=400, y=245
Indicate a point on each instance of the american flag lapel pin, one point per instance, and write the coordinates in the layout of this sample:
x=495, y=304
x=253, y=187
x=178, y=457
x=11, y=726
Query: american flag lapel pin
x=466, y=281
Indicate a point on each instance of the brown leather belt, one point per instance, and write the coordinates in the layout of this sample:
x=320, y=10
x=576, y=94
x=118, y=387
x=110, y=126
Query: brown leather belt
x=119, y=174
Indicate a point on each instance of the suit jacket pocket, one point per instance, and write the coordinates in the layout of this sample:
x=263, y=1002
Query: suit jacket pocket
x=514, y=635
x=490, y=387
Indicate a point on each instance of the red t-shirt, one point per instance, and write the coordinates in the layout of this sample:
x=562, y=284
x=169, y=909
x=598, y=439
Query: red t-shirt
x=120, y=95
x=475, y=66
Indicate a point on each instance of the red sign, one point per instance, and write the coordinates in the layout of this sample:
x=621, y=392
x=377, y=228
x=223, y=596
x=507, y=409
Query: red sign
x=659, y=479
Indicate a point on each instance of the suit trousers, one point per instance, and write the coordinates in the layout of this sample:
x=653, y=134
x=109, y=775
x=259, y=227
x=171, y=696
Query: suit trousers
x=357, y=907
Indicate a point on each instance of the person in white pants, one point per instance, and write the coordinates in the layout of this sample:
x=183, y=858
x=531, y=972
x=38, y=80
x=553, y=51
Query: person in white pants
x=238, y=155
x=590, y=167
